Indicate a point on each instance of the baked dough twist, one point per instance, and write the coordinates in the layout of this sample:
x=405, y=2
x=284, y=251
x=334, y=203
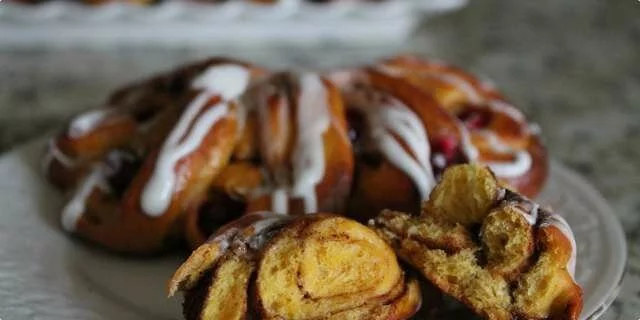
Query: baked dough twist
x=490, y=248
x=319, y=266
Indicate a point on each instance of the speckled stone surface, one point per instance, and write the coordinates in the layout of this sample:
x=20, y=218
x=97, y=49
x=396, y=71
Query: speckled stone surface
x=572, y=66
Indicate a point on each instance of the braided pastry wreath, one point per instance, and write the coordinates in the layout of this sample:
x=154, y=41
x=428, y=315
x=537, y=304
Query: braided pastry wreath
x=171, y=158
x=204, y=153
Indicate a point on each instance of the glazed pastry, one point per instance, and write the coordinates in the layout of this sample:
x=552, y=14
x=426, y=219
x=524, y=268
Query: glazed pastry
x=490, y=248
x=244, y=141
x=406, y=130
x=133, y=166
x=174, y=157
x=498, y=131
x=271, y=266
x=395, y=129
x=293, y=156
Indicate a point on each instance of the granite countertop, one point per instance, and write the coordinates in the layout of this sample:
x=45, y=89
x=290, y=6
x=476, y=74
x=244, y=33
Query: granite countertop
x=573, y=67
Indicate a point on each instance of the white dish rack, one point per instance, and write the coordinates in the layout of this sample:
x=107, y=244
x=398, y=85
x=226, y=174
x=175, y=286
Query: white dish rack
x=64, y=23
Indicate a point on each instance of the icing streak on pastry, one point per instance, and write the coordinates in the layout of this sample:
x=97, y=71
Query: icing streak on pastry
x=521, y=159
x=554, y=220
x=87, y=122
x=469, y=150
x=308, y=155
x=279, y=200
x=54, y=153
x=228, y=81
x=460, y=83
x=74, y=209
x=392, y=122
x=97, y=179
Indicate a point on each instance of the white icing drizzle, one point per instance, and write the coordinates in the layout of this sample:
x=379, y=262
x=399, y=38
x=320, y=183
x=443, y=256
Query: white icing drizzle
x=522, y=159
x=532, y=216
x=54, y=153
x=260, y=236
x=344, y=78
x=561, y=224
x=439, y=160
x=265, y=223
x=279, y=200
x=506, y=108
x=469, y=150
x=459, y=83
x=469, y=90
x=232, y=233
x=308, y=155
x=228, y=81
x=75, y=208
x=87, y=122
x=393, y=121
x=519, y=166
x=476, y=97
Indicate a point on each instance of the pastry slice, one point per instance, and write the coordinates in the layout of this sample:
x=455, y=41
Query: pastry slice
x=271, y=266
x=491, y=249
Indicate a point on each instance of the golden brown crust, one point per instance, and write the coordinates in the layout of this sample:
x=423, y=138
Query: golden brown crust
x=126, y=228
x=515, y=260
x=249, y=154
x=309, y=267
x=465, y=119
x=379, y=184
x=508, y=123
x=110, y=159
x=273, y=148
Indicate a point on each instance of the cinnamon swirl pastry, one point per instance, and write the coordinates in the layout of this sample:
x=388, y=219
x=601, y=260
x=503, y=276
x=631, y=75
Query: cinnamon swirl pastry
x=271, y=266
x=499, y=132
x=411, y=119
x=243, y=141
x=490, y=248
x=133, y=166
x=176, y=156
x=293, y=156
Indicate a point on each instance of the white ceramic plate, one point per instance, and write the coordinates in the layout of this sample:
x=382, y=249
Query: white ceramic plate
x=64, y=23
x=47, y=275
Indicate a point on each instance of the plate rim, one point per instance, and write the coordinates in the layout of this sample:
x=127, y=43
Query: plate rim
x=617, y=264
x=615, y=234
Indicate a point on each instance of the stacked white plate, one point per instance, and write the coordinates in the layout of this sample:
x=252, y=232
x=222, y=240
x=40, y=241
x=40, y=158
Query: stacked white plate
x=66, y=23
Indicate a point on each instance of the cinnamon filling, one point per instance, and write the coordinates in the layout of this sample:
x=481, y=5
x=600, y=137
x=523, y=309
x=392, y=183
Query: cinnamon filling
x=122, y=164
x=362, y=147
x=475, y=118
x=219, y=209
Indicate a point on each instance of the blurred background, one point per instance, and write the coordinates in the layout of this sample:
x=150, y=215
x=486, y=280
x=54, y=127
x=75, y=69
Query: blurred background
x=573, y=67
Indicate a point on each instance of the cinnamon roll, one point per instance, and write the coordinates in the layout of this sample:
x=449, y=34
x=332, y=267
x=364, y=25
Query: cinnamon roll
x=490, y=248
x=244, y=141
x=132, y=167
x=293, y=155
x=412, y=119
x=271, y=266
x=502, y=137
x=171, y=158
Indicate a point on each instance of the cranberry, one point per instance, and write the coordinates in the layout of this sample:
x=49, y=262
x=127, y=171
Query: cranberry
x=475, y=118
x=121, y=167
x=447, y=146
